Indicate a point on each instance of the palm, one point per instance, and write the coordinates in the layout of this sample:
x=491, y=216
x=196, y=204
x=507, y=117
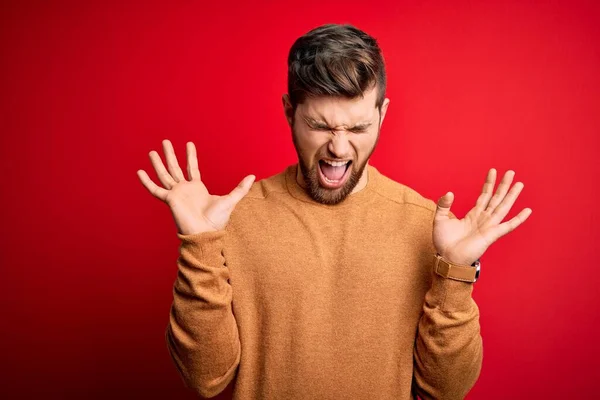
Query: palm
x=462, y=241
x=194, y=208
x=193, y=198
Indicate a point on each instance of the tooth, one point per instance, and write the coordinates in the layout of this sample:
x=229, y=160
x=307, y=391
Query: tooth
x=336, y=163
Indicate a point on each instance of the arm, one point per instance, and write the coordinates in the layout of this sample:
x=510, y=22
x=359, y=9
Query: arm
x=202, y=335
x=448, y=350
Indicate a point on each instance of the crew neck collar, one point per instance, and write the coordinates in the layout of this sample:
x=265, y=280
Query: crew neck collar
x=300, y=193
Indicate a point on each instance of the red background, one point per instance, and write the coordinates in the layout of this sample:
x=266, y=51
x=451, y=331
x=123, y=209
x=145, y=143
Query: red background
x=88, y=89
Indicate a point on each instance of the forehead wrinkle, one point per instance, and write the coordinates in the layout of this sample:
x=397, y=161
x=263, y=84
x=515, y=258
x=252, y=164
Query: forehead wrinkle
x=337, y=113
x=323, y=122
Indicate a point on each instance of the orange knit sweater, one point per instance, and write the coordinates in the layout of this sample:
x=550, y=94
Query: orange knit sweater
x=300, y=300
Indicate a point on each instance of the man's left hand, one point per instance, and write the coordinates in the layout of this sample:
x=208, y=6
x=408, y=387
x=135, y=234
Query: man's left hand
x=462, y=241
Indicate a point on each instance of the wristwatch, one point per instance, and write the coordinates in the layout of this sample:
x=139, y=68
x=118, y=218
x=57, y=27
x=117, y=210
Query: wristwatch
x=462, y=273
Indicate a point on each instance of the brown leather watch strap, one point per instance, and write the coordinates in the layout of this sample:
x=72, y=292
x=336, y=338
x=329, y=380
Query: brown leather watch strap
x=465, y=273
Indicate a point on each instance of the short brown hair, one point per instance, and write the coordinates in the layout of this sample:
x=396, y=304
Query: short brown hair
x=335, y=60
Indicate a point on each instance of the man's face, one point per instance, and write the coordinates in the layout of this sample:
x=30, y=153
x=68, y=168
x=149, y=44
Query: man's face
x=334, y=138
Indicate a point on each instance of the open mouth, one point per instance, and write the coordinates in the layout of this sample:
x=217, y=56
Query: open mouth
x=333, y=175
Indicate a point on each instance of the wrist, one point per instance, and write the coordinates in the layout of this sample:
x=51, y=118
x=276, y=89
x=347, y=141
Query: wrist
x=460, y=272
x=460, y=261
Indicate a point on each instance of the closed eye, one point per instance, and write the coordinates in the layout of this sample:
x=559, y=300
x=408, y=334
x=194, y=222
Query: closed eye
x=358, y=130
x=325, y=129
x=320, y=128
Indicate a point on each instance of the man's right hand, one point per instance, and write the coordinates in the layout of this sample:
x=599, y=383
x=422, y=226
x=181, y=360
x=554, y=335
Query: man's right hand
x=193, y=208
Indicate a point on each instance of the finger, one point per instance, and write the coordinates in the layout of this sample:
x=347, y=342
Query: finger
x=486, y=192
x=501, y=191
x=192, y=162
x=500, y=230
x=444, y=203
x=172, y=163
x=241, y=189
x=152, y=187
x=506, y=204
x=163, y=175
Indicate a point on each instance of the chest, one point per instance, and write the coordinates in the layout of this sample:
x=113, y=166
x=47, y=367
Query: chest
x=361, y=263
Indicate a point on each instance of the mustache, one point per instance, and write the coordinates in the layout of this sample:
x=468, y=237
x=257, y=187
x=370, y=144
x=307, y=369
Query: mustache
x=331, y=157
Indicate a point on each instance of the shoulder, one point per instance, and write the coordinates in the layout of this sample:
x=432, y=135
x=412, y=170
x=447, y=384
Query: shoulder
x=402, y=195
x=263, y=188
x=256, y=208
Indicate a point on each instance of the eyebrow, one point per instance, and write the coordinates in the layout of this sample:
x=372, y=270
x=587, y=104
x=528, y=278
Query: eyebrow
x=321, y=124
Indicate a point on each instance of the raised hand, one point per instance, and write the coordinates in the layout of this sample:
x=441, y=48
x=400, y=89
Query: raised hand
x=462, y=241
x=194, y=209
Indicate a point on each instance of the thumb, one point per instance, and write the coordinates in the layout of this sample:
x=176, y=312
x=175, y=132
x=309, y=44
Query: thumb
x=241, y=189
x=444, y=203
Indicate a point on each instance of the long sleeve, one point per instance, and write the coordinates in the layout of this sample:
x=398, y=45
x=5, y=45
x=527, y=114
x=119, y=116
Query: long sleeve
x=202, y=335
x=448, y=350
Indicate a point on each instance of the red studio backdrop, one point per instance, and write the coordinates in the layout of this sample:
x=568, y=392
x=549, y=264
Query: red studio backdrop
x=88, y=89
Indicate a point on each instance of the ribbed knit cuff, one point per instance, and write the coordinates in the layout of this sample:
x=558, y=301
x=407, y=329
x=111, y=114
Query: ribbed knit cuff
x=203, y=249
x=449, y=294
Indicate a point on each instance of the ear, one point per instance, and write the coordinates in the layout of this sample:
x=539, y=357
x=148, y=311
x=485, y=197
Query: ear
x=288, y=109
x=384, y=107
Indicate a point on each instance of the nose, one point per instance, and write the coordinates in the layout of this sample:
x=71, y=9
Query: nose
x=339, y=145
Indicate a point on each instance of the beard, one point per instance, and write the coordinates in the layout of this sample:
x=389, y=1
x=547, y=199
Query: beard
x=311, y=175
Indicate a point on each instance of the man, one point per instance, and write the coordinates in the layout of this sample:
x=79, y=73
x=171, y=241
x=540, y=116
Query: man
x=328, y=280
